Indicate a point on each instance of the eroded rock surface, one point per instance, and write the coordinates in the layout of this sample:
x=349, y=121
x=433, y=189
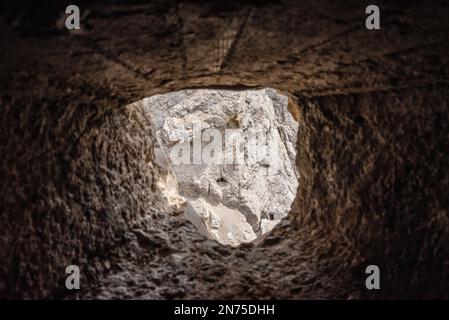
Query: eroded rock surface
x=80, y=184
x=240, y=177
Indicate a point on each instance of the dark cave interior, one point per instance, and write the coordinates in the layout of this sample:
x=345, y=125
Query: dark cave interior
x=80, y=181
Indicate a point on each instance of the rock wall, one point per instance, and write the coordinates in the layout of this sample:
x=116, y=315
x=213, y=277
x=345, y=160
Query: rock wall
x=232, y=154
x=80, y=185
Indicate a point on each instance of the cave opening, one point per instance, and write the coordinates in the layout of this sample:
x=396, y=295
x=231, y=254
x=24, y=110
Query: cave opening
x=226, y=159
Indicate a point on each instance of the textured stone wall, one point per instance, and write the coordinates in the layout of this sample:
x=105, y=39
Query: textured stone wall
x=79, y=185
x=366, y=162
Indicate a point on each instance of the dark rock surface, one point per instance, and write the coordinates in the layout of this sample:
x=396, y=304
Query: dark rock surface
x=79, y=186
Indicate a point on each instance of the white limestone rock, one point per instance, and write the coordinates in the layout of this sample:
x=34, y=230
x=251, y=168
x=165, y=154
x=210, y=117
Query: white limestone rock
x=231, y=202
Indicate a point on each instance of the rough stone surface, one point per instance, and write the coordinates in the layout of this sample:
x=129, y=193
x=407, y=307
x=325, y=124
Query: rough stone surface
x=249, y=182
x=79, y=184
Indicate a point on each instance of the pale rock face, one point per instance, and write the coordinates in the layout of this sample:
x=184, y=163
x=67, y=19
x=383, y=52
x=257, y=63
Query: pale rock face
x=236, y=201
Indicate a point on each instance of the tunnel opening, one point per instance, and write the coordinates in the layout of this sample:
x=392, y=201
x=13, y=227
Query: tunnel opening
x=226, y=159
